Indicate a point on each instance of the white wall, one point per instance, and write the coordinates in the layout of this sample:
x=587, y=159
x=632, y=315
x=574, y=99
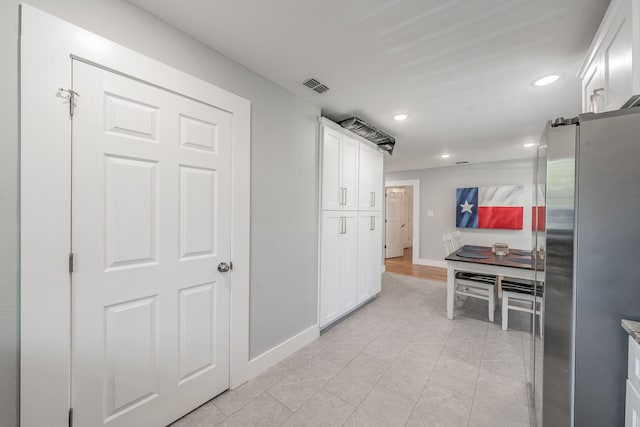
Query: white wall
x=438, y=194
x=283, y=154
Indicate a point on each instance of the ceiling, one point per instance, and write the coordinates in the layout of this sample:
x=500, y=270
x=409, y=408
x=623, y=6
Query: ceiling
x=461, y=69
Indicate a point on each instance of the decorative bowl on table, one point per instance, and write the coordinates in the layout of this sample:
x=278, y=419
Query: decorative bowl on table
x=502, y=249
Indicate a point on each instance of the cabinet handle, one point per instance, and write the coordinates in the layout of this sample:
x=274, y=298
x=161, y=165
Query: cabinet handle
x=594, y=99
x=344, y=225
x=345, y=196
x=373, y=223
x=373, y=198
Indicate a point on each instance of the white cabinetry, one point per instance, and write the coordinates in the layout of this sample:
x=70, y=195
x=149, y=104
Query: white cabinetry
x=369, y=254
x=351, y=222
x=610, y=72
x=370, y=179
x=632, y=404
x=339, y=171
x=338, y=278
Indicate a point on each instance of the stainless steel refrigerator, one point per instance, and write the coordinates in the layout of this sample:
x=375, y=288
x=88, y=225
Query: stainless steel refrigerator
x=588, y=177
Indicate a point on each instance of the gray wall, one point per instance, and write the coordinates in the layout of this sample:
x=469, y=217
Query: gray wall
x=438, y=194
x=284, y=153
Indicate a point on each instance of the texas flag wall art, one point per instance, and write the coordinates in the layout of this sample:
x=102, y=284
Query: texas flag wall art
x=490, y=207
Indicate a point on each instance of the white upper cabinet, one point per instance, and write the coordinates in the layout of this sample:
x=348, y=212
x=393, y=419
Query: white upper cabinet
x=339, y=171
x=610, y=72
x=350, y=173
x=370, y=196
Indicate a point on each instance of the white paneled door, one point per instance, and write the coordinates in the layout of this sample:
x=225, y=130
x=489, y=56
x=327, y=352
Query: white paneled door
x=395, y=222
x=151, y=224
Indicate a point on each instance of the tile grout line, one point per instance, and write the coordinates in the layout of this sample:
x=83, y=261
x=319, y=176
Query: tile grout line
x=524, y=362
x=384, y=373
x=343, y=368
x=265, y=391
x=473, y=399
x=429, y=379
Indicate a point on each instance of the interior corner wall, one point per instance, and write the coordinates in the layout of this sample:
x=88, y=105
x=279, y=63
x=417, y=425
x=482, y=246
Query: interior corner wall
x=284, y=170
x=438, y=194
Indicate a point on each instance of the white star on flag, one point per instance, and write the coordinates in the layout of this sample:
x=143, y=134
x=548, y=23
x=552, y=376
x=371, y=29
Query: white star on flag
x=466, y=207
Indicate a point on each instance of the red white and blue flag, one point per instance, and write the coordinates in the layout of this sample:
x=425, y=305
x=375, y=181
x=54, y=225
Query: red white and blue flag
x=490, y=207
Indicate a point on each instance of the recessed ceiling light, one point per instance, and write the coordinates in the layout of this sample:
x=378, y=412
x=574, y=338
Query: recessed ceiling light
x=400, y=117
x=547, y=80
x=445, y=156
x=529, y=144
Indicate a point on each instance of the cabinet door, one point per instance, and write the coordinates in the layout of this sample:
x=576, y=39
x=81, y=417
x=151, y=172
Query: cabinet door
x=632, y=407
x=370, y=179
x=331, y=188
x=349, y=261
x=593, y=88
x=349, y=173
x=369, y=254
x=331, y=267
x=375, y=254
x=616, y=56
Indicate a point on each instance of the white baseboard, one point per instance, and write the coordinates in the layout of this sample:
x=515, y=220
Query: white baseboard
x=384, y=268
x=431, y=262
x=283, y=350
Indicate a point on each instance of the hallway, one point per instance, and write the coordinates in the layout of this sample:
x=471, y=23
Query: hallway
x=396, y=362
x=404, y=265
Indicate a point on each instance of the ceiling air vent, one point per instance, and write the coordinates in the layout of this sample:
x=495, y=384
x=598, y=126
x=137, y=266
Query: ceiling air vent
x=315, y=85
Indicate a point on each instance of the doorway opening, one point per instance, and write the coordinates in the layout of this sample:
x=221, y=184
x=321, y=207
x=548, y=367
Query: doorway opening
x=399, y=224
x=402, y=232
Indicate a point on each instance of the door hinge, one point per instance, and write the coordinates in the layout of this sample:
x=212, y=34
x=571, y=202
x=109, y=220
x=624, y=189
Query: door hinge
x=71, y=96
x=71, y=260
x=70, y=417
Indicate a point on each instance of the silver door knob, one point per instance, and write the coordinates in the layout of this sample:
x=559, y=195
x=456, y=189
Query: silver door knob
x=223, y=267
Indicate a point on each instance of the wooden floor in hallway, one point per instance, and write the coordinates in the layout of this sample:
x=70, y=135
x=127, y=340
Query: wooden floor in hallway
x=404, y=265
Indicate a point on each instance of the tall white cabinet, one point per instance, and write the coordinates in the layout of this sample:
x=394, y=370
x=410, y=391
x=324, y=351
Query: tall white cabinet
x=351, y=225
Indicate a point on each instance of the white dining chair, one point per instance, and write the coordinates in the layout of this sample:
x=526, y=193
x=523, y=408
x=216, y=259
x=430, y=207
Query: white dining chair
x=518, y=295
x=481, y=286
x=457, y=239
x=447, y=240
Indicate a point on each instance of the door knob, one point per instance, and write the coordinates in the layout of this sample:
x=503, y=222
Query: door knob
x=223, y=267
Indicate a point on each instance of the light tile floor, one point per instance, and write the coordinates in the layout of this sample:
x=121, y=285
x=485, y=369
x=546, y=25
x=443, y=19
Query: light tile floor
x=396, y=362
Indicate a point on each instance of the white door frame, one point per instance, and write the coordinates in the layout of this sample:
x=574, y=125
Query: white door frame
x=415, y=183
x=47, y=45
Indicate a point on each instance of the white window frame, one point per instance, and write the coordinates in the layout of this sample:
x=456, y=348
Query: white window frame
x=47, y=46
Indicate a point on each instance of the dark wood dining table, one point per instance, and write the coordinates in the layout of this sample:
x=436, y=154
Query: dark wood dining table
x=518, y=264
